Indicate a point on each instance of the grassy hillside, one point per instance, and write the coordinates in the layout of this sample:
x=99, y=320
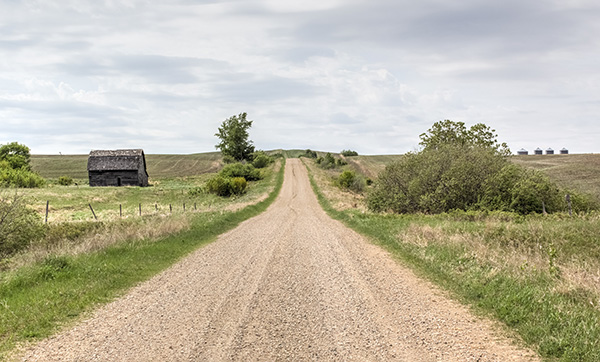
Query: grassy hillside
x=158, y=166
x=578, y=171
x=370, y=166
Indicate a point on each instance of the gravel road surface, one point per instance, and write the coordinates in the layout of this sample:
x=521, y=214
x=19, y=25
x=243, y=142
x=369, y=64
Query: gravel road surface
x=288, y=285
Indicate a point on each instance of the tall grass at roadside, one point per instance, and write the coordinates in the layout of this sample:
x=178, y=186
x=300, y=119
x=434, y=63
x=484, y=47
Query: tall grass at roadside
x=72, y=239
x=37, y=299
x=538, y=275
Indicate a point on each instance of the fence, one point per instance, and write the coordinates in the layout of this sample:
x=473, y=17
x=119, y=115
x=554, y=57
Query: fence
x=139, y=210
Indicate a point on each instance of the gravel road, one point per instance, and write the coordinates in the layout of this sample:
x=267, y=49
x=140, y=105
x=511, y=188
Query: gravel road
x=288, y=285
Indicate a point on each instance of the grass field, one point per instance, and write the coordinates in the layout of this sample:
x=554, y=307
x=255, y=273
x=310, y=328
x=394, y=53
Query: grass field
x=158, y=166
x=577, y=171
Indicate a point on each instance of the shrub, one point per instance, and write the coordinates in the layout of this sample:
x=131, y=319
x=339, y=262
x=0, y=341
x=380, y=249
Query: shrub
x=261, y=160
x=195, y=191
x=238, y=185
x=455, y=177
x=10, y=177
x=346, y=179
x=327, y=162
x=435, y=180
x=218, y=185
x=19, y=226
x=309, y=154
x=226, y=186
x=65, y=181
x=349, y=153
x=351, y=181
x=339, y=162
x=246, y=171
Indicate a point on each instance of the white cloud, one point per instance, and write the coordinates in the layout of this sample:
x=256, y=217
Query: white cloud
x=328, y=74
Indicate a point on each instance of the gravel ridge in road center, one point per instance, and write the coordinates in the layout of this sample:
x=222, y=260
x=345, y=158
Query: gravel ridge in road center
x=291, y=284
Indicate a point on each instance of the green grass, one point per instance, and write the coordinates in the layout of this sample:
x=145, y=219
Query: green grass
x=70, y=203
x=520, y=270
x=36, y=300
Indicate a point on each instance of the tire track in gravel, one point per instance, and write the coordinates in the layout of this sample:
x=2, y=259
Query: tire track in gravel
x=288, y=285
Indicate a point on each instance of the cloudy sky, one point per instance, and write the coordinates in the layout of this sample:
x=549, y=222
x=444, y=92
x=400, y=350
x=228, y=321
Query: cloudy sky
x=368, y=75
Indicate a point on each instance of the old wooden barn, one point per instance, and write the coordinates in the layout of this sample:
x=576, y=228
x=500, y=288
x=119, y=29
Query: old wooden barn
x=117, y=168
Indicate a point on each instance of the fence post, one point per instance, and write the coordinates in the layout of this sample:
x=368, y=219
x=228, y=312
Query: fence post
x=93, y=213
x=47, y=205
x=140, y=209
x=170, y=208
x=568, y=198
x=184, y=207
x=195, y=206
x=120, y=210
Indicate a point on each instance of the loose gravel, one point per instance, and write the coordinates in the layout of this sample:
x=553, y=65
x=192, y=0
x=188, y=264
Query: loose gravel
x=288, y=285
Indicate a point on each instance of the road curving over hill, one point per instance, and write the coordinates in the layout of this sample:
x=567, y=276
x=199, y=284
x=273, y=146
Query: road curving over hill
x=288, y=285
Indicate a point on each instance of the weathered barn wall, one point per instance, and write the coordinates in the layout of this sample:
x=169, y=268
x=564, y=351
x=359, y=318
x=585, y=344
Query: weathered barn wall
x=117, y=168
x=115, y=178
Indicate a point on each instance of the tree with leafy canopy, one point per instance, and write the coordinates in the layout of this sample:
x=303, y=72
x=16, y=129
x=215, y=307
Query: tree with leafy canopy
x=456, y=133
x=464, y=169
x=233, y=134
x=16, y=155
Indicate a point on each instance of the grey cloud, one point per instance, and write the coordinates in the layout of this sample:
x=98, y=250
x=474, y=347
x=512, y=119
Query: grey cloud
x=154, y=68
x=471, y=28
x=59, y=111
x=299, y=54
x=247, y=88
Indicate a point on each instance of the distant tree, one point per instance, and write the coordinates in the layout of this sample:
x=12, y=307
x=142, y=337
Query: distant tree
x=17, y=155
x=456, y=133
x=349, y=153
x=233, y=134
x=309, y=153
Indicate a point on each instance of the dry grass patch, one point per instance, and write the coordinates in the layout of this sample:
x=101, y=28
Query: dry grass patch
x=521, y=249
x=340, y=199
x=99, y=237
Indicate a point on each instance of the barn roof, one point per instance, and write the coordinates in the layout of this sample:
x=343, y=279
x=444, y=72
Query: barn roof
x=116, y=160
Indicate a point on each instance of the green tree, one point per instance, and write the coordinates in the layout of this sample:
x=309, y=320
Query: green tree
x=17, y=155
x=464, y=169
x=456, y=133
x=233, y=134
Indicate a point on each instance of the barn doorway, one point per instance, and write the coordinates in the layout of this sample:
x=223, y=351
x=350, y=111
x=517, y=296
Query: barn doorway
x=119, y=181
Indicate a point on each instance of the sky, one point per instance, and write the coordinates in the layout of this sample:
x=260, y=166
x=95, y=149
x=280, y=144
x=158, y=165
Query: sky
x=366, y=75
